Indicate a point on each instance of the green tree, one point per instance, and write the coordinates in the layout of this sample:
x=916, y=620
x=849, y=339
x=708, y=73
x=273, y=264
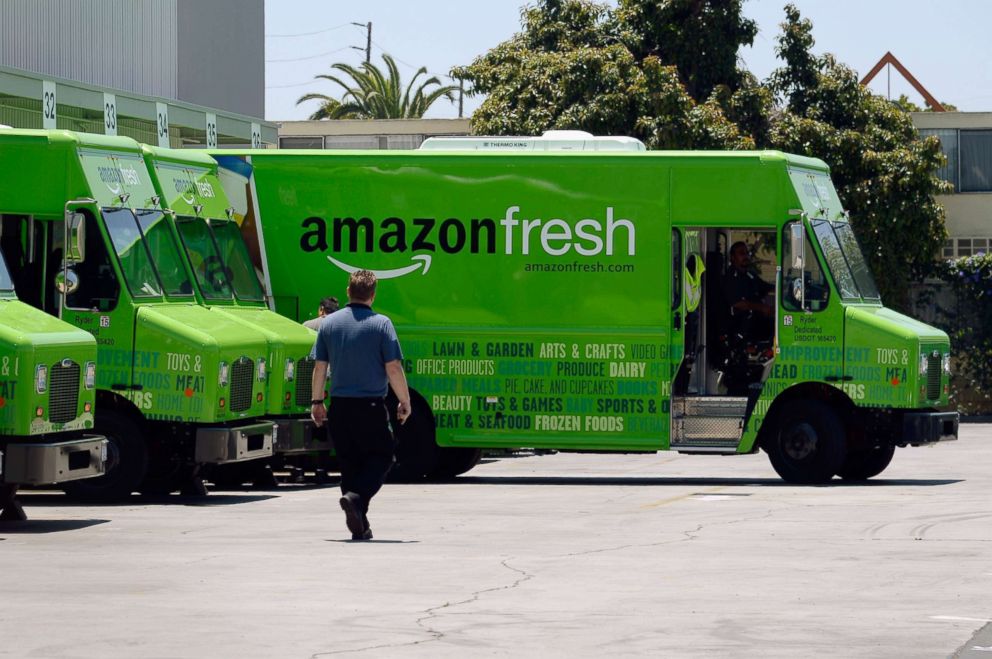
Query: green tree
x=884, y=173
x=569, y=68
x=373, y=94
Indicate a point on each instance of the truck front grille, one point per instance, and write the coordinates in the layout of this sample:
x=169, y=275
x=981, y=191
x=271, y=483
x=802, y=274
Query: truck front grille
x=242, y=376
x=63, y=392
x=934, y=369
x=304, y=380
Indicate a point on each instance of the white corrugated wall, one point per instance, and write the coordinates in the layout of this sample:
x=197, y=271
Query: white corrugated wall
x=119, y=44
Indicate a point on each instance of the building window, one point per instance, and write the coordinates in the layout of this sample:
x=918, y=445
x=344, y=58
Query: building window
x=976, y=160
x=949, y=145
x=956, y=248
x=301, y=142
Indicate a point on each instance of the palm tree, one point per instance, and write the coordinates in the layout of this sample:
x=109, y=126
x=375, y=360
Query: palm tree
x=372, y=95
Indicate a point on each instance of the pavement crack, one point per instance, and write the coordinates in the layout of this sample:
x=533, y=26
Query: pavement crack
x=436, y=611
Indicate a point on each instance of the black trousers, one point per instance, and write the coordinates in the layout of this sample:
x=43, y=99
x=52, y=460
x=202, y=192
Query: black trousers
x=363, y=441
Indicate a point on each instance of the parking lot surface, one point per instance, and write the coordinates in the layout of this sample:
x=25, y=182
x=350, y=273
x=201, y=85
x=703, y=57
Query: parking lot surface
x=554, y=555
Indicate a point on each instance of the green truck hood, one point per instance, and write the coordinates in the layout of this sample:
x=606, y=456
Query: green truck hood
x=278, y=330
x=896, y=324
x=22, y=325
x=201, y=329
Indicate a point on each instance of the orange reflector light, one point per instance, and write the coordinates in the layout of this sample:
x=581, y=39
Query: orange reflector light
x=87, y=407
x=289, y=396
x=39, y=412
x=259, y=397
x=222, y=402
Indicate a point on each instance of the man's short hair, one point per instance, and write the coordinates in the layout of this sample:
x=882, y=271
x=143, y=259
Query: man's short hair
x=361, y=285
x=329, y=305
x=739, y=243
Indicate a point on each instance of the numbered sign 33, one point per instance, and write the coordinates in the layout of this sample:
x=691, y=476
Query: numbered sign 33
x=109, y=114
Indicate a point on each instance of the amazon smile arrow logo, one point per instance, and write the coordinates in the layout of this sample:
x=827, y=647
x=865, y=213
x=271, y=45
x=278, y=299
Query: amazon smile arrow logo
x=421, y=260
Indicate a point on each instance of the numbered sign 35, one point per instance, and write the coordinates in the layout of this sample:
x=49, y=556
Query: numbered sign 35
x=211, y=129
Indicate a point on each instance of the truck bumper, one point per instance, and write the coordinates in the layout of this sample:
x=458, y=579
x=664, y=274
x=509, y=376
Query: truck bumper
x=223, y=444
x=36, y=463
x=929, y=427
x=299, y=436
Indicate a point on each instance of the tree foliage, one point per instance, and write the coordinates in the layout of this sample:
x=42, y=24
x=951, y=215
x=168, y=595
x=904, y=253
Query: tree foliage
x=372, y=93
x=667, y=72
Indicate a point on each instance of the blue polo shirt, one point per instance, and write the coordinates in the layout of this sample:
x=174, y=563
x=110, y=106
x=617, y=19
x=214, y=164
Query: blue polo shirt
x=357, y=342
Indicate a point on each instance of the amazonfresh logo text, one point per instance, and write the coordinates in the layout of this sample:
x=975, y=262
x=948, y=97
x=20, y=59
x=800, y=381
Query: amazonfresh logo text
x=513, y=234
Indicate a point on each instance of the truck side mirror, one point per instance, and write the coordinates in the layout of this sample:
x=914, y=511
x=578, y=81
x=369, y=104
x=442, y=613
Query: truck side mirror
x=75, y=247
x=796, y=244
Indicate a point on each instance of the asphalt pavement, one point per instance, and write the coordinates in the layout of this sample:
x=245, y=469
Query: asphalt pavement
x=551, y=555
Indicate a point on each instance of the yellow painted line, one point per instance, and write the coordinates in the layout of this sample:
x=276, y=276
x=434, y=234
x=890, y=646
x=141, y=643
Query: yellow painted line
x=665, y=502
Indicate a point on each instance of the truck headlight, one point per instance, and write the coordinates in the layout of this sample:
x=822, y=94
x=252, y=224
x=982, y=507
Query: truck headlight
x=923, y=363
x=222, y=372
x=946, y=364
x=290, y=371
x=89, y=375
x=41, y=378
x=260, y=368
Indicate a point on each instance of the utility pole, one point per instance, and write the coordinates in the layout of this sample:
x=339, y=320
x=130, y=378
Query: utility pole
x=461, y=98
x=368, y=41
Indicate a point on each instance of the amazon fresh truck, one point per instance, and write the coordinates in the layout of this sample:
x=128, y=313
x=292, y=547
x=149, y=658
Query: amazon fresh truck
x=226, y=283
x=47, y=392
x=177, y=386
x=572, y=295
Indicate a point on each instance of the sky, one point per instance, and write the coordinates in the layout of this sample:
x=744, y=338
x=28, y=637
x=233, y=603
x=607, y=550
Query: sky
x=945, y=45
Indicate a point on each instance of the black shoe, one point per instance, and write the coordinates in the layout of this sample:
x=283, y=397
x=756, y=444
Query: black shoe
x=365, y=535
x=352, y=514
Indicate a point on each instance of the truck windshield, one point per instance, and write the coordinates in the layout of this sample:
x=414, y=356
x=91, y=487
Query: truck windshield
x=165, y=253
x=136, y=262
x=203, y=256
x=235, y=254
x=845, y=260
x=6, y=283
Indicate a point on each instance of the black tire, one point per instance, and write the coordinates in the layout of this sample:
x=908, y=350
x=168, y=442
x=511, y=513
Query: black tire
x=809, y=445
x=417, y=454
x=455, y=461
x=127, y=461
x=865, y=463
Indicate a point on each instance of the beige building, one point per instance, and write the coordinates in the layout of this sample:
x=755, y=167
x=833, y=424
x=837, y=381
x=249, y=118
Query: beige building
x=966, y=138
x=366, y=134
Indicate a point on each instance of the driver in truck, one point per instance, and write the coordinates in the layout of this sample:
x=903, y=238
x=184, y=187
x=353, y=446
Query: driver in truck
x=745, y=293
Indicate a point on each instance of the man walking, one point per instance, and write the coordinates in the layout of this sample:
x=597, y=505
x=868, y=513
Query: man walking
x=362, y=348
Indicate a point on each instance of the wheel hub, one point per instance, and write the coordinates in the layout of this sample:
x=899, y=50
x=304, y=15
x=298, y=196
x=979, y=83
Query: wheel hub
x=800, y=441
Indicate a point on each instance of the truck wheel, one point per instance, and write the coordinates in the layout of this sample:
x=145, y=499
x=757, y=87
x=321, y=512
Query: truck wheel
x=455, y=461
x=863, y=464
x=417, y=453
x=810, y=444
x=127, y=461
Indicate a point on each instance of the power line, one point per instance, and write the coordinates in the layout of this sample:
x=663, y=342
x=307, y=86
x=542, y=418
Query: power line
x=408, y=65
x=298, y=84
x=306, y=34
x=300, y=59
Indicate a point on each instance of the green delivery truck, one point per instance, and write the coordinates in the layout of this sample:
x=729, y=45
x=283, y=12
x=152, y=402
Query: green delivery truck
x=177, y=386
x=578, y=296
x=225, y=282
x=47, y=394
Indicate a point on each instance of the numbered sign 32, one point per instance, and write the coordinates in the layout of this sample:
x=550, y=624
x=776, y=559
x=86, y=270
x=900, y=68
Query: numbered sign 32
x=162, y=124
x=109, y=114
x=49, y=104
